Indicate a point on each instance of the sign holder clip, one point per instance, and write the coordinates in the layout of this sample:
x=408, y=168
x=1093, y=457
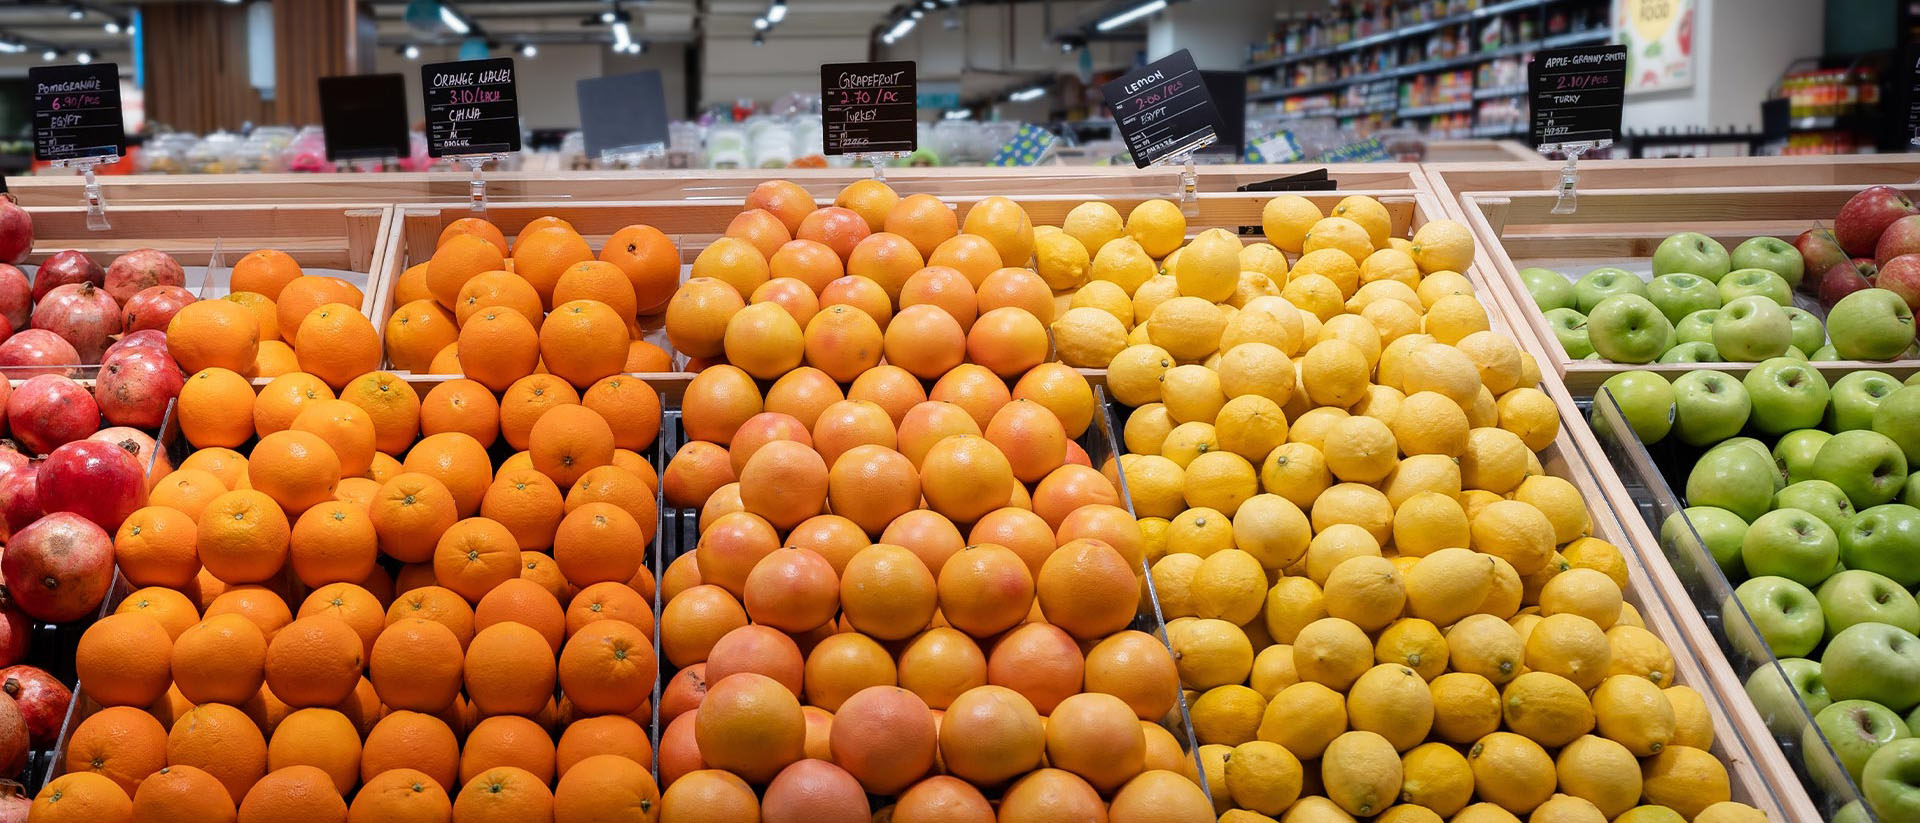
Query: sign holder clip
x=878, y=160
x=477, y=182
x=1570, y=172
x=1189, y=187
x=96, y=200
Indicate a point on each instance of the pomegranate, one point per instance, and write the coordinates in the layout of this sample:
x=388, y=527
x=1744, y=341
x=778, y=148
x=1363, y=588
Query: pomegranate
x=82, y=315
x=102, y=482
x=154, y=340
x=16, y=232
x=20, y=498
x=148, y=453
x=48, y=411
x=35, y=352
x=141, y=269
x=16, y=634
x=16, y=296
x=134, y=388
x=15, y=740
x=154, y=308
x=65, y=267
x=42, y=699
x=10, y=458
x=14, y=802
x=58, y=569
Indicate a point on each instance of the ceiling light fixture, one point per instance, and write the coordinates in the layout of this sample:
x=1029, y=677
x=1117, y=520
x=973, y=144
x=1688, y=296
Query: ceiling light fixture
x=916, y=14
x=85, y=56
x=759, y=39
x=1024, y=95
x=621, y=37
x=411, y=52
x=1130, y=15
x=112, y=26
x=11, y=47
x=76, y=13
x=453, y=21
x=50, y=55
x=901, y=28
x=529, y=50
x=958, y=114
x=777, y=12
x=760, y=24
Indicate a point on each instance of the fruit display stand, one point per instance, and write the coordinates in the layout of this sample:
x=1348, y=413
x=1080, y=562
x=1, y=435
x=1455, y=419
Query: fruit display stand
x=1455, y=180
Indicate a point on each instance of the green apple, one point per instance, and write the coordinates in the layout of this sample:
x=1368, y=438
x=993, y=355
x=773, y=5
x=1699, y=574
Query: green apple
x=1628, y=328
x=1873, y=661
x=1870, y=324
x=1752, y=329
x=1709, y=407
x=1809, y=334
x=1693, y=253
x=1860, y=596
x=1855, y=729
x=1793, y=544
x=1736, y=480
x=1795, y=451
x=1820, y=499
x=1912, y=379
x=1772, y=254
x=1696, y=327
x=1867, y=465
x=1744, y=282
x=1795, y=353
x=1898, y=417
x=1570, y=328
x=1681, y=294
x=1645, y=400
x=1605, y=282
x=1549, y=289
x=1911, y=494
x=1787, y=394
x=1857, y=394
x=1884, y=539
x=1759, y=448
x=1823, y=353
x=1786, y=614
x=1891, y=780
x=1854, y=812
x=1691, y=353
x=1787, y=693
x=1719, y=532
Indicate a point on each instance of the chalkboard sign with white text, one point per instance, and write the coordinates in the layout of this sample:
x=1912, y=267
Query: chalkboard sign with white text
x=1577, y=94
x=623, y=114
x=1163, y=109
x=364, y=116
x=76, y=112
x=869, y=107
x=471, y=107
x=1913, y=103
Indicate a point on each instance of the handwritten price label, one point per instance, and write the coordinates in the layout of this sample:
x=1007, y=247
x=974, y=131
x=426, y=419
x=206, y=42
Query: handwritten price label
x=76, y=112
x=1577, y=94
x=1163, y=110
x=869, y=108
x=472, y=107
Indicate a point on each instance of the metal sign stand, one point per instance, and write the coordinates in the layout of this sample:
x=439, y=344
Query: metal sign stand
x=96, y=201
x=1570, y=172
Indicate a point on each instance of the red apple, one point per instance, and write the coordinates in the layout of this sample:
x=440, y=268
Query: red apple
x=16, y=634
x=66, y=267
x=49, y=411
x=16, y=232
x=101, y=482
x=1866, y=215
x=35, y=352
x=1820, y=251
x=142, y=269
x=133, y=389
x=1845, y=279
x=42, y=698
x=1901, y=275
x=1901, y=237
x=152, y=458
x=155, y=307
x=81, y=314
x=16, y=296
x=148, y=340
x=20, y=498
x=59, y=568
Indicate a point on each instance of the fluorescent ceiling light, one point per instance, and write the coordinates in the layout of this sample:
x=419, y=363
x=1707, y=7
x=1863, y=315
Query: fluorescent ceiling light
x=901, y=28
x=959, y=114
x=453, y=21
x=621, y=37
x=112, y=26
x=411, y=52
x=1024, y=95
x=529, y=50
x=760, y=24
x=11, y=47
x=777, y=12
x=1131, y=15
x=49, y=55
x=84, y=57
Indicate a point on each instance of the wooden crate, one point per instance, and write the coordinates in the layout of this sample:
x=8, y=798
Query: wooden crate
x=1516, y=230
x=1454, y=180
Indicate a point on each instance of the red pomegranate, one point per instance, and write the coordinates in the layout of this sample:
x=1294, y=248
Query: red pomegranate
x=37, y=351
x=48, y=411
x=16, y=634
x=16, y=232
x=65, y=267
x=134, y=388
x=81, y=314
x=141, y=269
x=154, y=340
x=42, y=699
x=20, y=498
x=154, y=308
x=15, y=740
x=102, y=482
x=148, y=453
x=58, y=569
x=16, y=296
x=10, y=458
x=14, y=803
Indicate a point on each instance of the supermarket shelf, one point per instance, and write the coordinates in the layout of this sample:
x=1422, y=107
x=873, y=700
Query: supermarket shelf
x=1435, y=109
x=1558, y=41
x=1500, y=130
x=1399, y=33
x=1494, y=92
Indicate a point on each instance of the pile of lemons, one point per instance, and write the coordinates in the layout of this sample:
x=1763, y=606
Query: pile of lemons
x=1380, y=603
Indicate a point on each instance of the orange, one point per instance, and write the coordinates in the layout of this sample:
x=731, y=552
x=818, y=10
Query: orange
x=643, y=356
x=124, y=744
x=843, y=342
x=784, y=482
x=583, y=341
x=1068, y=488
x=416, y=665
x=694, y=620
x=358, y=491
x=497, y=347
x=697, y=470
x=1008, y=341
x=1017, y=529
x=748, y=724
x=221, y=741
x=527, y=503
x=314, y=661
x=447, y=361
x=1088, y=589
x=416, y=332
x=213, y=334
x=763, y=340
x=971, y=255
x=541, y=257
x=216, y=408
x=790, y=294
x=600, y=281
x=295, y=794
x=405, y=740
x=503, y=794
x=849, y=423
x=81, y=797
x=351, y=604
x=275, y=359
x=264, y=311
x=383, y=469
x=220, y=660
x=735, y=262
x=942, y=799
x=473, y=556
x=941, y=664
x=697, y=315
x=607, y=667
x=526, y=400
x=170, y=608
x=392, y=404
x=888, y=258
x=929, y=422
x=509, y=669
x=295, y=468
x=803, y=394
x=630, y=407
x=784, y=199
x=187, y=490
x=337, y=343
x=346, y=428
x=924, y=221
x=1030, y=437
x=568, y=441
x=282, y=399
x=265, y=272
x=759, y=228
x=1063, y=391
x=126, y=660
x=650, y=260
x=458, y=462
x=243, y=536
x=925, y=341
x=943, y=287
x=974, y=389
x=322, y=738
x=309, y=292
x=598, y=542
x=410, y=513
x=985, y=589
x=607, y=734
x=764, y=428
x=525, y=602
x=155, y=547
x=400, y=796
x=182, y=793
x=539, y=568
x=458, y=259
x=810, y=262
x=462, y=406
x=887, y=592
x=884, y=736
x=621, y=488
x=862, y=293
x=507, y=741
x=606, y=787
x=538, y=223
x=1017, y=288
x=836, y=227
x=891, y=388
x=609, y=601
x=930, y=537
x=256, y=603
x=871, y=199
x=498, y=289
x=412, y=285
x=965, y=476
x=438, y=605
x=477, y=227
x=1037, y=660
x=871, y=485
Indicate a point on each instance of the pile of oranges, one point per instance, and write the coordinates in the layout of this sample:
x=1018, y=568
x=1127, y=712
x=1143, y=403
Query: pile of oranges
x=257, y=329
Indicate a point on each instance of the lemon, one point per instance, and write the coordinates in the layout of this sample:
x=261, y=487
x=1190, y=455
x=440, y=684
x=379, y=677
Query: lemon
x=1507, y=593
x=1286, y=220
x=1147, y=428
x=1293, y=604
x=1209, y=266
x=1356, y=330
x=1094, y=224
x=1599, y=555
x=1192, y=393
x=1297, y=472
x=1059, y=259
x=1133, y=377
x=1424, y=473
x=1173, y=584
x=1156, y=290
x=1263, y=776
x=1531, y=415
x=1547, y=708
x=1385, y=291
x=1382, y=403
x=1570, y=646
x=1454, y=317
x=1006, y=225
x=1511, y=771
x=1485, y=413
x=1153, y=535
x=1227, y=715
x=1338, y=234
x=1390, y=265
x=1413, y=643
x=1107, y=297
x=1154, y=484
x=1199, y=531
x=1211, y=652
x=1515, y=532
x=1366, y=591
x=1584, y=592
x=1407, y=813
x=1395, y=357
x=1311, y=428
x=1357, y=505
x=1532, y=584
x=1273, y=670
x=1334, y=373
x=1483, y=812
x=1229, y=585
x=1447, y=585
x=1314, y=293
x=1271, y=321
x=1188, y=441
x=1633, y=712
x=1601, y=772
x=1088, y=338
x=1429, y=423
x=1650, y=814
x=1485, y=645
x=1158, y=226
x=1436, y=776
x=1495, y=461
x=1121, y=262
x=1630, y=616
x=1392, y=701
x=1360, y=450
x=1442, y=245
x=1213, y=765
x=1440, y=368
x=1466, y=707
x=1251, y=426
x=1560, y=502
x=1523, y=624
x=1187, y=327
x=1369, y=214
x=1332, y=652
x=1728, y=811
x=1256, y=630
x=1336, y=265
x=1257, y=370
x=1529, y=370
x=1392, y=318
x=1441, y=284
x=1304, y=718
x=1220, y=480
x=1495, y=356
x=1266, y=259
x=1684, y=779
x=1252, y=285
x=1562, y=808
x=1692, y=722
x=1360, y=772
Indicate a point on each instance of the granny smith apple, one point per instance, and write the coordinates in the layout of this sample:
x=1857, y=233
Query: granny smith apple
x=1867, y=465
x=1570, y=328
x=1854, y=812
x=1809, y=334
x=1780, y=692
x=1693, y=253
x=1759, y=447
x=1696, y=327
x=1912, y=379
x=1884, y=539
x=1873, y=661
x=1870, y=324
x=1736, y=480
x=1787, y=394
x=1772, y=254
x=1913, y=719
x=1857, y=394
x=1891, y=780
x=1681, y=294
x=1719, y=531
x=1793, y=544
x=1743, y=282
x=1786, y=613
x=1796, y=353
x=1910, y=495
x=1860, y=596
x=1826, y=352
x=1691, y=353
x=1795, y=451
x=1898, y=417
x=1820, y=499
x=1709, y=407
x=1645, y=399
x=1605, y=282
x=1550, y=289
x=1752, y=329
x=1855, y=729
x=1628, y=328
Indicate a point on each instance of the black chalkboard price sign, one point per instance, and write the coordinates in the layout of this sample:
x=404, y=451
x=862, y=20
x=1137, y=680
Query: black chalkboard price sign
x=364, y=116
x=76, y=112
x=869, y=108
x=1577, y=94
x=1163, y=109
x=1913, y=103
x=472, y=107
